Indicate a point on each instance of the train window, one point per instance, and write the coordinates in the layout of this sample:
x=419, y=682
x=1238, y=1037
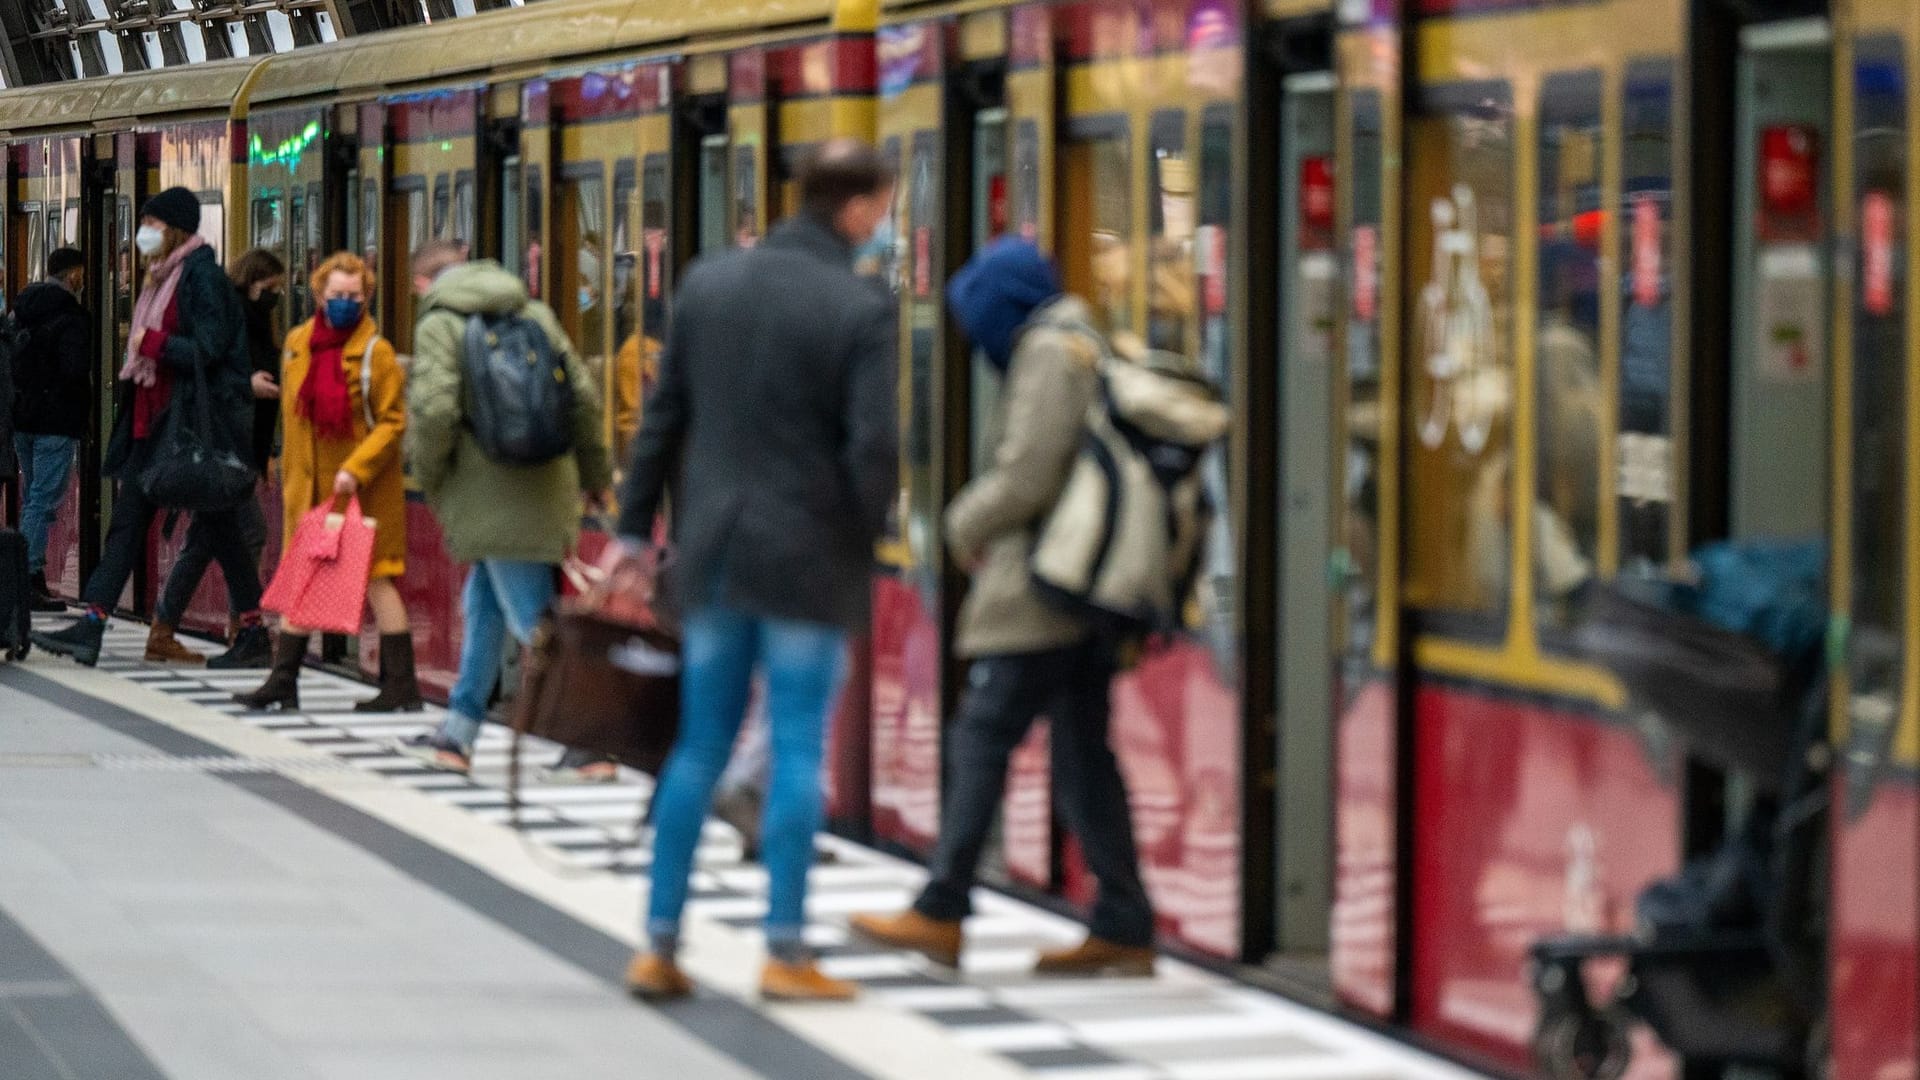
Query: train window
x=746, y=196
x=36, y=241
x=1170, y=278
x=1646, y=480
x=713, y=193
x=465, y=216
x=536, y=211
x=298, y=293
x=123, y=264
x=1208, y=264
x=1459, y=255
x=580, y=227
x=266, y=230
x=1096, y=242
x=989, y=220
x=624, y=392
x=213, y=223
x=351, y=211
x=1026, y=179
x=442, y=206
x=922, y=197
x=1878, y=299
x=511, y=196
x=370, y=221
x=70, y=224
x=1571, y=402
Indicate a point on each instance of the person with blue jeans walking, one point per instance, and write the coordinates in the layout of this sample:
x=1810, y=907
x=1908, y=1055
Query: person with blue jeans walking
x=513, y=524
x=775, y=409
x=50, y=404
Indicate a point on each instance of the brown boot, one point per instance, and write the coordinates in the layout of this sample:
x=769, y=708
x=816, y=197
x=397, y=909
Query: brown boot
x=164, y=648
x=399, y=691
x=803, y=982
x=936, y=939
x=651, y=977
x=1095, y=956
x=282, y=688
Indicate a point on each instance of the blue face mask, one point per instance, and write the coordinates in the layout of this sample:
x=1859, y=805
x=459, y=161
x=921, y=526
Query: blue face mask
x=880, y=244
x=344, y=314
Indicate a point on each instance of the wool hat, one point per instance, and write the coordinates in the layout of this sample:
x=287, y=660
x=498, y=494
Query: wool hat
x=175, y=206
x=64, y=259
x=997, y=291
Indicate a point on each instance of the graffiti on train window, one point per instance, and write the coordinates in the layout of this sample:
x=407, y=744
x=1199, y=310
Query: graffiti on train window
x=1459, y=265
x=1646, y=483
x=1570, y=400
x=1880, y=517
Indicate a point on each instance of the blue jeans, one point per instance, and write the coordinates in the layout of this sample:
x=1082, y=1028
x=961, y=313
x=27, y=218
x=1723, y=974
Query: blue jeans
x=502, y=597
x=46, y=464
x=802, y=663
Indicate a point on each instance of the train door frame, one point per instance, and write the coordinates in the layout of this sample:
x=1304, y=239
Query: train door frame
x=100, y=192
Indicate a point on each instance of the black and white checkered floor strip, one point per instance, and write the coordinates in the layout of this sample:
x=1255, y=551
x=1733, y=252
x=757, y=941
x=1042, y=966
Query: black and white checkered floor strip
x=1184, y=1024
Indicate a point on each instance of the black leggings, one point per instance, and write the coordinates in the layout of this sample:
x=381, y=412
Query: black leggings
x=133, y=515
x=201, y=550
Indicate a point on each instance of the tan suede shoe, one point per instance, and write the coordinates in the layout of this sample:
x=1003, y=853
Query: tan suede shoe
x=1095, y=956
x=938, y=940
x=164, y=648
x=652, y=978
x=803, y=982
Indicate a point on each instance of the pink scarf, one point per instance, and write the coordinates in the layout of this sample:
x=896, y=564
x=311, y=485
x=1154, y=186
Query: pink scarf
x=150, y=310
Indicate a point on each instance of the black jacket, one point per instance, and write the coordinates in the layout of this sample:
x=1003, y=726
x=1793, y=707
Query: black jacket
x=212, y=334
x=52, y=388
x=263, y=348
x=776, y=402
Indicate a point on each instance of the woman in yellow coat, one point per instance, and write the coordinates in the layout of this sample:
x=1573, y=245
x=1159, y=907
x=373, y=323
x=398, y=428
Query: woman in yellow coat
x=343, y=412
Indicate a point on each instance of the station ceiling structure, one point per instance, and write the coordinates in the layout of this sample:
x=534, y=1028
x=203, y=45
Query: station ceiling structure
x=45, y=41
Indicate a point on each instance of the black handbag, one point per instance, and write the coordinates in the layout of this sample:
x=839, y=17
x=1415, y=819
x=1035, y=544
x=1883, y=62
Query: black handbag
x=190, y=468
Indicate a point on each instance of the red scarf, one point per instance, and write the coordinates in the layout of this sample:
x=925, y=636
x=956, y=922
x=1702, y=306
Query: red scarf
x=324, y=401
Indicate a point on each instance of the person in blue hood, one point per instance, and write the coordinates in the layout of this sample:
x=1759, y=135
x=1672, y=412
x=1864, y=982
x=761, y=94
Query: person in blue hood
x=998, y=290
x=1027, y=655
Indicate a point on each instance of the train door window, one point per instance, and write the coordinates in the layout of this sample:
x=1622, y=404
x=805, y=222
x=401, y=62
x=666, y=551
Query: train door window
x=1459, y=266
x=1570, y=399
x=1877, y=295
x=267, y=227
x=300, y=229
x=370, y=221
x=623, y=398
x=1096, y=240
x=70, y=224
x=350, y=212
x=713, y=193
x=580, y=227
x=536, y=214
x=1170, y=213
x=213, y=223
x=1026, y=179
x=1204, y=292
x=1646, y=479
x=442, y=206
x=465, y=214
x=36, y=243
x=989, y=220
x=123, y=265
x=512, y=234
x=745, y=211
x=409, y=211
x=922, y=199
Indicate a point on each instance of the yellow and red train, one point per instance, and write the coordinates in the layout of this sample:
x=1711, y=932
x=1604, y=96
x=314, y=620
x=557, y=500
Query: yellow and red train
x=1506, y=294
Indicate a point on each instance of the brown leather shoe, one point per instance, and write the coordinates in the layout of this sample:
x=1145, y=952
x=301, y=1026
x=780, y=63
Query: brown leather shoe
x=938, y=940
x=803, y=982
x=1095, y=956
x=164, y=648
x=653, y=978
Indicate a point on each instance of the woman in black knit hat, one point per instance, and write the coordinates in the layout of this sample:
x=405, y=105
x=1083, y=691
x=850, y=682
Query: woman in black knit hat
x=187, y=317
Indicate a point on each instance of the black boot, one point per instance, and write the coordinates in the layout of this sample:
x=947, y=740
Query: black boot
x=80, y=640
x=282, y=688
x=252, y=648
x=41, y=599
x=399, y=691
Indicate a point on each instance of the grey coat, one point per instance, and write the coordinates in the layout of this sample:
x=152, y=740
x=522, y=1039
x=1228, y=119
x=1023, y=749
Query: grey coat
x=775, y=412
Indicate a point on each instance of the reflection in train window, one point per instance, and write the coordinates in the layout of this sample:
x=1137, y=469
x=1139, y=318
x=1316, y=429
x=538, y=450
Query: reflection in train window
x=1026, y=179
x=511, y=227
x=1459, y=271
x=370, y=221
x=213, y=224
x=1096, y=241
x=464, y=213
x=266, y=230
x=299, y=292
x=624, y=394
x=1570, y=400
x=535, y=207
x=746, y=196
x=123, y=267
x=1878, y=299
x=1170, y=278
x=713, y=193
x=36, y=241
x=1648, y=484
x=442, y=205
x=1208, y=285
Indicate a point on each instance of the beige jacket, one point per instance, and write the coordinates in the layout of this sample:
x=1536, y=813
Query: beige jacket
x=1035, y=433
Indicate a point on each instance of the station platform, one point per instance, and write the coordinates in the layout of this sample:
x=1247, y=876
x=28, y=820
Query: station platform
x=189, y=891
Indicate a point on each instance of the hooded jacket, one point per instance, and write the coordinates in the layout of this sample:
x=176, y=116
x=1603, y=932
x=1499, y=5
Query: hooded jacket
x=52, y=391
x=487, y=509
x=776, y=405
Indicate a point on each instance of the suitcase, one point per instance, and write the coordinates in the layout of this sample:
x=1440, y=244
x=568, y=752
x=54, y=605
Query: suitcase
x=16, y=603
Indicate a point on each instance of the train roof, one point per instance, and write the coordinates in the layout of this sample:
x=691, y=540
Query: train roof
x=507, y=39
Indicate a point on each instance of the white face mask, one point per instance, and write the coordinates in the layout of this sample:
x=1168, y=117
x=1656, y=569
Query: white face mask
x=149, y=239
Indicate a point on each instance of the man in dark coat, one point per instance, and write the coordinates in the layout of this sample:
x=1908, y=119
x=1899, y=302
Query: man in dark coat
x=51, y=398
x=776, y=404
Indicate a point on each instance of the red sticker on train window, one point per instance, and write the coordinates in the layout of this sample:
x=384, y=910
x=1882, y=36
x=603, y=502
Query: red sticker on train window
x=1646, y=251
x=1366, y=271
x=1876, y=253
x=1789, y=169
x=1316, y=192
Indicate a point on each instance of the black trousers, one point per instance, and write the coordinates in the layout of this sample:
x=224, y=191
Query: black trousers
x=1004, y=694
x=133, y=516
x=203, y=542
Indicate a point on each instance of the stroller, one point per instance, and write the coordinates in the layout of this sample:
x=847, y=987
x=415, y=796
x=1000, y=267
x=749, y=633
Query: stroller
x=1727, y=961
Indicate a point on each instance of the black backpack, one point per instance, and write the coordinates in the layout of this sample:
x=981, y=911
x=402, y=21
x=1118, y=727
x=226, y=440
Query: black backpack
x=519, y=398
